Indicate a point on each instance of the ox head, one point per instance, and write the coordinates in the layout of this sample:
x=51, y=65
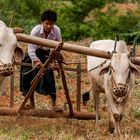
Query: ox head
x=119, y=69
x=8, y=44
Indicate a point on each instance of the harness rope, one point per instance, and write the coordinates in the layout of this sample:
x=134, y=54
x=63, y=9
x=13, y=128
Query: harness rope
x=100, y=65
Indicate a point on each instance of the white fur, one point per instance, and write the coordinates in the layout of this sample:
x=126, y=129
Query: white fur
x=103, y=83
x=7, y=46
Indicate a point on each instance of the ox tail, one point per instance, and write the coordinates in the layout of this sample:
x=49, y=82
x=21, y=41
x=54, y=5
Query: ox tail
x=86, y=96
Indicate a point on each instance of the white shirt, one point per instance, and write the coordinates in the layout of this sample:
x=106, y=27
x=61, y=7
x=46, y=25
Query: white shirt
x=38, y=31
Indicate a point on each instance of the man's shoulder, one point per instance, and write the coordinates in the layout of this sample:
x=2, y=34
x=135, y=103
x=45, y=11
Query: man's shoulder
x=36, y=29
x=56, y=28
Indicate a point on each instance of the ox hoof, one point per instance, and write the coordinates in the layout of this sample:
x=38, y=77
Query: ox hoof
x=111, y=130
x=111, y=127
x=117, y=117
x=104, y=108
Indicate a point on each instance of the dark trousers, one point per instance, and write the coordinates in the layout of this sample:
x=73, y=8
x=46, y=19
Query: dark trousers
x=46, y=85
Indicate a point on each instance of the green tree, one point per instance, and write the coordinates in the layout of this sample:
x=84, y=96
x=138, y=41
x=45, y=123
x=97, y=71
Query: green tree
x=108, y=24
x=23, y=13
x=72, y=17
x=77, y=19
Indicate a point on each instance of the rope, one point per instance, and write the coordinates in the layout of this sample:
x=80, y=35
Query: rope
x=28, y=71
x=100, y=65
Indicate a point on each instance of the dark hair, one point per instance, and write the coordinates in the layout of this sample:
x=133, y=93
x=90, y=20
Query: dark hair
x=49, y=15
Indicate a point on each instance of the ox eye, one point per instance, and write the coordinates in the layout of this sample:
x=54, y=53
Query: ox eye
x=110, y=71
x=112, y=68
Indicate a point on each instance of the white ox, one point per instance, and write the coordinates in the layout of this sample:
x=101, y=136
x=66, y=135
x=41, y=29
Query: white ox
x=114, y=77
x=8, y=50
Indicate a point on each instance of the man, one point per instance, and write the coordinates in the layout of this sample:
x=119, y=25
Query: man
x=38, y=54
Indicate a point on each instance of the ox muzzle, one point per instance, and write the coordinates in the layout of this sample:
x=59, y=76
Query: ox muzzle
x=6, y=69
x=120, y=89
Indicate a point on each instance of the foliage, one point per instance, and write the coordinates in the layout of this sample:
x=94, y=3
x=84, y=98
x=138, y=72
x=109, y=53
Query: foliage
x=24, y=14
x=77, y=19
x=108, y=24
x=131, y=25
x=73, y=16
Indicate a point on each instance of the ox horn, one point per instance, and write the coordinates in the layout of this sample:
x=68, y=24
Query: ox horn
x=18, y=30
x=133, y=49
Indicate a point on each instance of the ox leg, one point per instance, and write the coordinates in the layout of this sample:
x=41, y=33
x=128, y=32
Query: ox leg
x=122, y=107
x=115, y=115
x=114, y=123
x=96, y=105
x=117, y=123
x=111, y=126
x=111, y=123
x=95, y=98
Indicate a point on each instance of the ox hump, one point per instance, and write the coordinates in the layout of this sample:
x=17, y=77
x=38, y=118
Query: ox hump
x=108, y=45
x=2, y=24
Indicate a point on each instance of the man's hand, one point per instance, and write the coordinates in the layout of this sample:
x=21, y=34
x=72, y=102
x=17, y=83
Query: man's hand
x=38, y=64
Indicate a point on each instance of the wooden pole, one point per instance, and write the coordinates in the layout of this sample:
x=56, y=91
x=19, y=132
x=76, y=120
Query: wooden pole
x=4, y=111
x=78, y=87
x=66, y=91
x=66, y=46
x=12, y=90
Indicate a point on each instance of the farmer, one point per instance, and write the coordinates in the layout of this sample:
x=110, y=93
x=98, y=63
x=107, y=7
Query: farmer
x=37, y=55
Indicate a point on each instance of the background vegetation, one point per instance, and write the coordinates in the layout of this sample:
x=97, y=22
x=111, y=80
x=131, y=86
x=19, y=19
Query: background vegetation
x=77, y=19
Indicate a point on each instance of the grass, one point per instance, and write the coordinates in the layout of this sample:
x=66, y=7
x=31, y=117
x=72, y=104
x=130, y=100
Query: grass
x=33, y=128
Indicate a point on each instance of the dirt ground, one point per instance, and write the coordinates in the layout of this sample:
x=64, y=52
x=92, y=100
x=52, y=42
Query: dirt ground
x=36, y=128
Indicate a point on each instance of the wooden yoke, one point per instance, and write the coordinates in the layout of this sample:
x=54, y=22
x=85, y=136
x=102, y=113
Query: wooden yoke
x=54, y=56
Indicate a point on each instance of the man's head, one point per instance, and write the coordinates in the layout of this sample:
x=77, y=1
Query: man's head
x=48, y=19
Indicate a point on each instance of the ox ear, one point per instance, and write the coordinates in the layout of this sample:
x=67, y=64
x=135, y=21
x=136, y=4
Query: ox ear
x=134, y=70
x=105, y=69
x=18, y=53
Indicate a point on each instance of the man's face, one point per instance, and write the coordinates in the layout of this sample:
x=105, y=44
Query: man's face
x=48, y=25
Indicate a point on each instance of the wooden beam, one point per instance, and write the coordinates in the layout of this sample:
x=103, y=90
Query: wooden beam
x=4, y=111
x=66, y=46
